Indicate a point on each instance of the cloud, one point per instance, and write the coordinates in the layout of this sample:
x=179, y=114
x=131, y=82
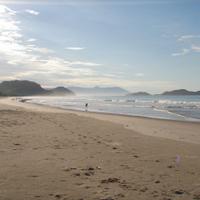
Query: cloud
x=32, y=12
x=40, y=50
x=16, y=52
x=182, y=53
x=31, y=40
x=7, y=24
x=192, y=49
x=75, y=48
x=139, y=75
x=6, y=10
x=83, y=63
x=29, y=61
x=195, y=48
x=187, y=37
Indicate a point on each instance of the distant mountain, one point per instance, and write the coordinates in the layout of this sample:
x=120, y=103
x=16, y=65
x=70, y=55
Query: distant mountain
x=60, y=91
x=181, y=92
x=115, y=91
x=138, y=94
x=29, y=88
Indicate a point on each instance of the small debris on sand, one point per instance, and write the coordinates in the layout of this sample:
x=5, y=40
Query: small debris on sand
x=110, y=180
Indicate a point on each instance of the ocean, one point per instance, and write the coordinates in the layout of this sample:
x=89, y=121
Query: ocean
x=183, y=108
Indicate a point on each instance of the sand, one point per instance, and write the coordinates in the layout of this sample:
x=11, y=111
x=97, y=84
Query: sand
x=48, y=153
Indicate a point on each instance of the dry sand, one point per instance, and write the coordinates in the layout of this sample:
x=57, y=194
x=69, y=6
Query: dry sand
x=49, y=154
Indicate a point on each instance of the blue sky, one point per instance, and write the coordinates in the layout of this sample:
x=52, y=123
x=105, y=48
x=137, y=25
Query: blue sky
x=151, y=45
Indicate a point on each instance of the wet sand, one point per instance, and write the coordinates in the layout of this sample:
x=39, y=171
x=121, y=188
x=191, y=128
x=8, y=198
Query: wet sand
x=48, y=153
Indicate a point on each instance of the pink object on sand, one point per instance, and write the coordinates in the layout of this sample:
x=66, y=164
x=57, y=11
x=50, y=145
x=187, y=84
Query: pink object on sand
x=178, y=159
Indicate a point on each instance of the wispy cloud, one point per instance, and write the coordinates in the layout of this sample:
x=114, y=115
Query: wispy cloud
x=187, y=37
x=196, y=48
x=32, y=12
x=84, y=63
x=192, y=49
x=31, y=60
x=139, y=75
x=5, y=9
x=189, y=42
x=31, y=40
x=40, y=50
x=182, y=53
x=75, y=48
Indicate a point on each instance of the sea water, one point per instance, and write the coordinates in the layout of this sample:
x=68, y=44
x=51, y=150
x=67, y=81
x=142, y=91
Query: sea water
x=155, y=106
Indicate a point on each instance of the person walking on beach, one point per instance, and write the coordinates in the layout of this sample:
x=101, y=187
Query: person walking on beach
x=86, y=107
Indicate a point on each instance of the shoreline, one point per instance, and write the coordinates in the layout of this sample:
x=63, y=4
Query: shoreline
x=184, y=131
x=76, y=111
x=116, y=114
x=152, y=112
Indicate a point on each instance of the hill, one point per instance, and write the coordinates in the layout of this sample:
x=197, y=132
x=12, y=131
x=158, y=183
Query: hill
x=20, y=88
x=29, y=88
x=60, y=91
x=181, y=92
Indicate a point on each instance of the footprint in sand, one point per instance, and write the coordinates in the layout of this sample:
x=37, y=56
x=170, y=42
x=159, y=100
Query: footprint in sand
x=16, y=144
x=110, y=180
x=196, y=196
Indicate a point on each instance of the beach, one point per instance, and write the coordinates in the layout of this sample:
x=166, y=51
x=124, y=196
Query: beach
x=50, y=153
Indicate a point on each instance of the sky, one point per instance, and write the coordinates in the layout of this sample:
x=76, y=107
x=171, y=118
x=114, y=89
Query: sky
x=140, y=45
